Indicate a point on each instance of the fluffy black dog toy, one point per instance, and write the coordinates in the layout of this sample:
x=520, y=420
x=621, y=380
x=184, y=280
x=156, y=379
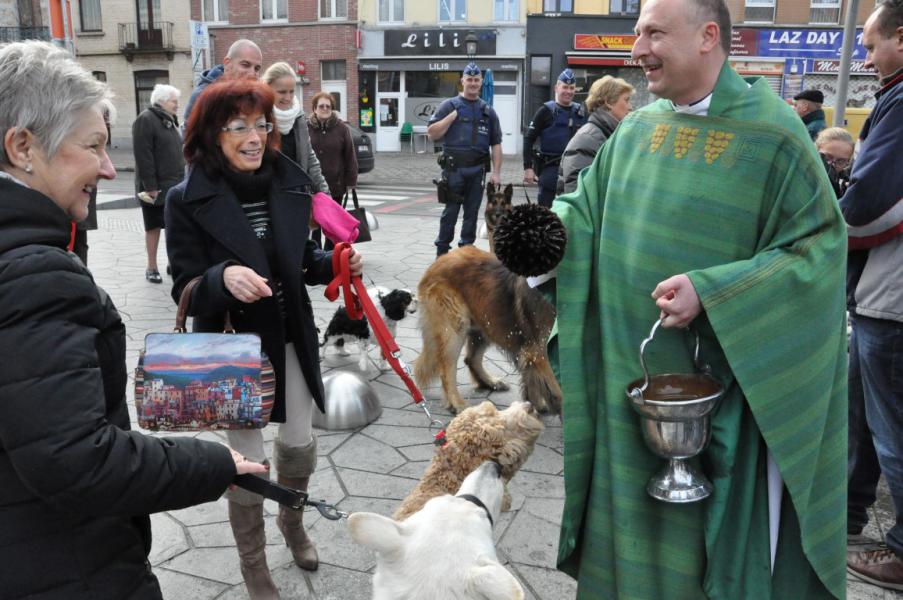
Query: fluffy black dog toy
x=530, y=240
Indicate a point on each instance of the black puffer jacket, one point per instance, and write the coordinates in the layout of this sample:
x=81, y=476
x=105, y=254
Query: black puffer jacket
x=75, y=485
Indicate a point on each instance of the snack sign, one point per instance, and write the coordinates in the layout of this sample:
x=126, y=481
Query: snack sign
x=587, y=41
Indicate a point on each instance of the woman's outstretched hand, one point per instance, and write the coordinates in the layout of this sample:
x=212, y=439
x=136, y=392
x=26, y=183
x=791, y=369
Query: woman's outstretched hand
x=245, y=285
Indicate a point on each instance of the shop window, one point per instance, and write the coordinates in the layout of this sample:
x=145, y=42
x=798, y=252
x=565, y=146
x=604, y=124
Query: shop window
x=144, y=85
x=759, y=11
x=391, y=11
x=333, y=9
x=89, y=13
x=505, y=83
x=506, y=10
x=215, y=10
x=332, y=70
x=273, y=10
x=388, y=81
x=624, y=7
x=824, y=12
x=558, y=6
x=431, y=84
x=388, y=112
x=452, y=10
x=540, y=70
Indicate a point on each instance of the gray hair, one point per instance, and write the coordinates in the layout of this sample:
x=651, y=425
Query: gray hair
x=890, y=18
x=43, y=90
x=163, y=92
x=278, y=71
x=717, y=11
x=834, y=134
x=239, y=45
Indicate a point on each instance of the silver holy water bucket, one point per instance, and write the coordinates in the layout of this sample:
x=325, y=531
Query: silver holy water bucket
x=351, y=402
x=674, y=410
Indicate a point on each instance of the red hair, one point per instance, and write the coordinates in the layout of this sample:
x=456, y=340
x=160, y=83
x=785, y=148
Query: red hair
x=219, y=103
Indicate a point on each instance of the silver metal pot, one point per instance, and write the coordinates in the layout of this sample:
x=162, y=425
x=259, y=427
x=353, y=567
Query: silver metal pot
x=675, y=423
x=351, y=402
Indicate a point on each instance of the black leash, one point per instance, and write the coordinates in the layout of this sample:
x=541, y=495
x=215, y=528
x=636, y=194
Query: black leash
x=286, y=496
x=478, y=502
x=524, y=185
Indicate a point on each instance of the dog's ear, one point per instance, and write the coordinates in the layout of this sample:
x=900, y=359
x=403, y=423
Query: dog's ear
x=489, y=580
x=509, y=191
x=490, y=189
x=374, y=531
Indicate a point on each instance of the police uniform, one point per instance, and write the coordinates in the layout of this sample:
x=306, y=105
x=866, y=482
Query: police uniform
x=465, y=160
x=554, y=125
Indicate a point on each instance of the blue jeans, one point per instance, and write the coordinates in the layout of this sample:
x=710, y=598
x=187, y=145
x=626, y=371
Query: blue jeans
x=548, y=181
x=876, y=421
x=468, y=184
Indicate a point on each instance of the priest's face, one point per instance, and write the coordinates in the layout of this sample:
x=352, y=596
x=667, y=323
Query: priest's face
x=668, y=46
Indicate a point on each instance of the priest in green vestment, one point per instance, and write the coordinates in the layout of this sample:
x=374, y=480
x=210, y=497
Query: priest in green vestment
x=709, y=207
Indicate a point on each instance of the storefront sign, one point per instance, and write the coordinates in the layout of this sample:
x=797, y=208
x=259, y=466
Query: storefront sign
x=426, y=42
x=857, y=67
x=755, y=67
x=604, y=62
x=744, y=42
x=805, y=43
x=585, y=41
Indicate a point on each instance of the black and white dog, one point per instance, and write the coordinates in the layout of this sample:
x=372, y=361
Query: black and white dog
x=393, y=306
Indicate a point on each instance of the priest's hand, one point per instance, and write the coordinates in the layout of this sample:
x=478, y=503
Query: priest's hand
x=678, y=301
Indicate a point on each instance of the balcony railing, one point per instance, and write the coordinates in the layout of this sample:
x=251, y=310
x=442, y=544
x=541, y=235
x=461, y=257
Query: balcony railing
x=17, y=34
x=135, y=38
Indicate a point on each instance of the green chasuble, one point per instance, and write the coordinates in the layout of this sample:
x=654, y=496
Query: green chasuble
x=739, y=201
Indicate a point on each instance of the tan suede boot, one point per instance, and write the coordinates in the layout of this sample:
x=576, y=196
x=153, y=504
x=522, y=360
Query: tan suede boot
x=295, y=465
x=247, y=527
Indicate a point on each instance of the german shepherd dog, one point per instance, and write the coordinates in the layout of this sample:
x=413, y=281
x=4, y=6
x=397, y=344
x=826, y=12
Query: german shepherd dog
x=469, y=296
x=498, y=204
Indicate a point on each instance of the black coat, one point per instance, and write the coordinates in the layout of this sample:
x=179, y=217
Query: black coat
x=76, y=485
x=206, y=231
x=157, y=145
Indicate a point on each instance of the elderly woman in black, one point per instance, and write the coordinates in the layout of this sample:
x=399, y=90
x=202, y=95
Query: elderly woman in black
x=240, y=222
x=76, y=485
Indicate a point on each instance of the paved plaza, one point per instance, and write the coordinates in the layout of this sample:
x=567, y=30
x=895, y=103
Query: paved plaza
x=371, y=468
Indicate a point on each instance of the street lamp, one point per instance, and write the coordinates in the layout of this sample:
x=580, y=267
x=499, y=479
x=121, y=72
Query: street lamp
x=470, y=45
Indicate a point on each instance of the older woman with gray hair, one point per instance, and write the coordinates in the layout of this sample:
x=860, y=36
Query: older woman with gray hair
x=76, y=486
x=159, y=165
x=609, y=103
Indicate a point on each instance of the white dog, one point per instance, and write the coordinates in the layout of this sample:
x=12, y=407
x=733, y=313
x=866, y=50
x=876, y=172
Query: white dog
x=443, y=551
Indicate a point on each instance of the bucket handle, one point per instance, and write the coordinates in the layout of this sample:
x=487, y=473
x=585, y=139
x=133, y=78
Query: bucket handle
x=637, y=393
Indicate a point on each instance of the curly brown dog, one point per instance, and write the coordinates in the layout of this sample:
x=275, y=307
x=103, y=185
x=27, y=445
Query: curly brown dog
x=478, y=434
x=468, y=295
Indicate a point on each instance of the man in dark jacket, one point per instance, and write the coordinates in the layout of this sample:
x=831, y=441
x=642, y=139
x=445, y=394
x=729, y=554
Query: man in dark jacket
x=553, y=125
x=873, y=209
x=807, y=105
x=244, y=59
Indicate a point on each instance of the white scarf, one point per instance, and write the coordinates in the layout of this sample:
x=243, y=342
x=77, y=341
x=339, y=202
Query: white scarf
x=285, y=119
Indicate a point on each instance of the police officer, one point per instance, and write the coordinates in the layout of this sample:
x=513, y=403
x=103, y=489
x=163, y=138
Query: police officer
x=472, y=141
x=555, y=123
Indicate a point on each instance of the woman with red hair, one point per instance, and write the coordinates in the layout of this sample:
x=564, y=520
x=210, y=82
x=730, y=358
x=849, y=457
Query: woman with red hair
x=240, y=222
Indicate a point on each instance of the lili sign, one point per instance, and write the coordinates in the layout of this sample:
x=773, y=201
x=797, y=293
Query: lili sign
x=587, y=41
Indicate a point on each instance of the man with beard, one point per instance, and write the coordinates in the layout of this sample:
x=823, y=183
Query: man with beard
x=554, y=124
x=708, y=208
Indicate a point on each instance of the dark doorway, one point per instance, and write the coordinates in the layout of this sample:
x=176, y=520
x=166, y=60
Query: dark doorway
x=150, y=35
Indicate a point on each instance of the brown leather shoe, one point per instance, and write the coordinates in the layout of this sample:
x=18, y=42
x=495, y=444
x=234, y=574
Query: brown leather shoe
x=879, y=567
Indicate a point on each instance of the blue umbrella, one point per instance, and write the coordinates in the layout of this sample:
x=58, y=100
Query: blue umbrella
x=488, y=92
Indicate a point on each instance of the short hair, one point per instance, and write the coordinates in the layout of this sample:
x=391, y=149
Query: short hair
x=318, y=96
x=44, y=90
x=163, y=92
x=606, y=91
x=834, y=134
x=890, y=18
x=277, y=71
x=717, y=11
x=239, y=45
x=220, y=102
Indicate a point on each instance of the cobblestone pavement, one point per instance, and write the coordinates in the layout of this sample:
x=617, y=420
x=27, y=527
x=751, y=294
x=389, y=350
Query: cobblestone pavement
x=371, y=468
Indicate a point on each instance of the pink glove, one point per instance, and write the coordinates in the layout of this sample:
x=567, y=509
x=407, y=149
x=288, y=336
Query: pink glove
x=336, y=223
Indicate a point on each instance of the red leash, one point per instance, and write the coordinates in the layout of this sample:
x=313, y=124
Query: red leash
x=359, y=304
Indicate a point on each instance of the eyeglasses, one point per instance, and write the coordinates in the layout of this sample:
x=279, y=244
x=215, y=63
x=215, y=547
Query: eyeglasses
x=838, y=163
x=325, y=106
x=240, y=129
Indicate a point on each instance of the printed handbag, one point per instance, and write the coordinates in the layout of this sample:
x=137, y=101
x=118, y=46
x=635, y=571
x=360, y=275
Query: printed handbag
x=358, y=213
x=203, y=381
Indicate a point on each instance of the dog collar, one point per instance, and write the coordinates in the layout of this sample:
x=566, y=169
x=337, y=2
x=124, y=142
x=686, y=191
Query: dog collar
x=478, y=502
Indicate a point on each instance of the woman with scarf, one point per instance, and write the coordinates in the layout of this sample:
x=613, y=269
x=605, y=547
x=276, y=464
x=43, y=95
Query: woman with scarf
x=159, y=165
